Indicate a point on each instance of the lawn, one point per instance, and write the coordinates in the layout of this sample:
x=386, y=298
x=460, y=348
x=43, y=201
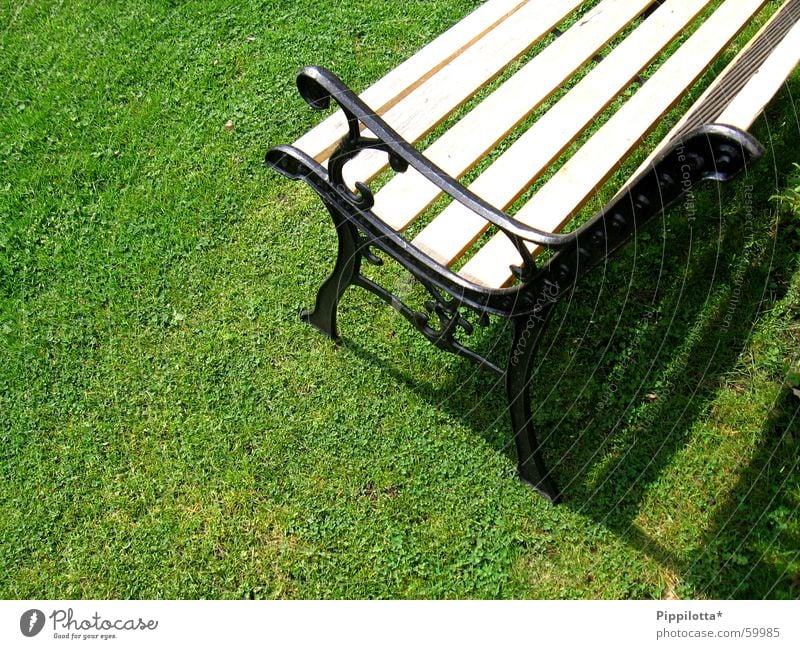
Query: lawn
x=170, y=429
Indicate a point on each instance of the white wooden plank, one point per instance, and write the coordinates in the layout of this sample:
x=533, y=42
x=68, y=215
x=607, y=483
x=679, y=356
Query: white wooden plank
x=408, y=194
x=573, y=184
x=751, y=99
x=320, y=141
x=437, y=97
x=456, y=228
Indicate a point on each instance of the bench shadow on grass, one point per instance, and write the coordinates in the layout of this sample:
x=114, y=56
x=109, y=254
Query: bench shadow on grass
x=608, y=453
x=745, y=548
x=609, y=447
x=616, y=449
x=749, y=549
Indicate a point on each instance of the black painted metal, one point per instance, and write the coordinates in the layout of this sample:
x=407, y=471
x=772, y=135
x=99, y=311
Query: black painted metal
x=711, y=152
x=345, y=272
x=448, y=320
x=528, y=331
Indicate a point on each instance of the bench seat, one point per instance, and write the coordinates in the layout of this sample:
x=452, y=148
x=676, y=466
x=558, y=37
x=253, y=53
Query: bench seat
x=568, y=190
x=530, y=107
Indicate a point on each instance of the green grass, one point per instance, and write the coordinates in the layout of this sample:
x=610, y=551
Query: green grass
x=169, y=428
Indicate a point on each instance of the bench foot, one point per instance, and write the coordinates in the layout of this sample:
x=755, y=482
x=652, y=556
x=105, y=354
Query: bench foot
x=531, y=465
x=348, y=262
x=546, y=486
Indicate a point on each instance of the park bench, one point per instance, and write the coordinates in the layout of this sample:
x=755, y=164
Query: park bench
x=504, y=94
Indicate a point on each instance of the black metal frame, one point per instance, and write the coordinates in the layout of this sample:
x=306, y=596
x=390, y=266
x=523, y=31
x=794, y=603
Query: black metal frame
x=711, y=152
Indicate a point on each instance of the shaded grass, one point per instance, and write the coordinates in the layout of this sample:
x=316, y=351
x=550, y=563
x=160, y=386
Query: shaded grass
x=168, y=427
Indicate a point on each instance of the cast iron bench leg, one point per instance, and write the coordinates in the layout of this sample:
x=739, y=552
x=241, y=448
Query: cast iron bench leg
x=531, y=465
x=345, y=270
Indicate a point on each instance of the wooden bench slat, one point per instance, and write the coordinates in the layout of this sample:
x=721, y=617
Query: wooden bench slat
x=320, y=141
x=409, y=194
x=456, y=228
x=572, y=185
x=750, y=101
x=456, y=82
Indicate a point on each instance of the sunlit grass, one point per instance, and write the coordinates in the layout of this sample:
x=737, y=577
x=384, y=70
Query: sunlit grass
x=169, y=428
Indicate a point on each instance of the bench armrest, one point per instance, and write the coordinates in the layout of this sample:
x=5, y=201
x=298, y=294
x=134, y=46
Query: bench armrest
x=318, y=86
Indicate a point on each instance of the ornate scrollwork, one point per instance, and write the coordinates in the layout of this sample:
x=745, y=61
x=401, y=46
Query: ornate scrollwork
x=370, y=255
x=448, y=313
x=317, y=96
x=350, y=146
x=441, y=319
